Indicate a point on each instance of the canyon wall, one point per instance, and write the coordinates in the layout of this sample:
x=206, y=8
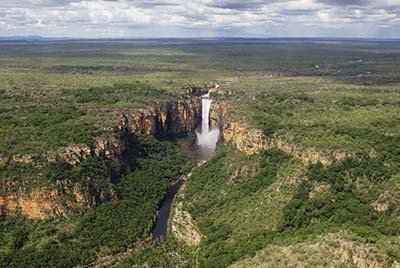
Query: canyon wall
x=169, y=119
x=250, y=140
x=43, y=202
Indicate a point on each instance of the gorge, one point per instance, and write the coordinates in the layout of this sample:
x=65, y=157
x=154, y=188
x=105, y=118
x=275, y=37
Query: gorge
x=169, y=119
x=206, y=140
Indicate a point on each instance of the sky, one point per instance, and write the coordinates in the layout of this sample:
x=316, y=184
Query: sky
x=200, y=18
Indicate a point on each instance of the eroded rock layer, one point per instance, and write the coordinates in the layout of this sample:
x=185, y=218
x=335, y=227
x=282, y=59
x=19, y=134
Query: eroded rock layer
x=168, y=119
x=250, y=140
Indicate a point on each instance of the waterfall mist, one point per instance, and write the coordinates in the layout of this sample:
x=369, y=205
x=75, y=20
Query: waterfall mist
x=206, y=138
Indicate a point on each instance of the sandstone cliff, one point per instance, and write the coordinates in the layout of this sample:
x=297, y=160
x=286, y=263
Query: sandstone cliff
x=250, y=140
x=43, y=203
x=171, y=118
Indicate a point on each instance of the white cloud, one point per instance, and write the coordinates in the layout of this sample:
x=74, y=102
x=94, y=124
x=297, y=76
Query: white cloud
x=150, y=18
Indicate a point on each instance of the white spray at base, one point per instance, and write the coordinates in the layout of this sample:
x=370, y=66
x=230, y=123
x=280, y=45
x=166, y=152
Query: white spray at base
x=206, y=139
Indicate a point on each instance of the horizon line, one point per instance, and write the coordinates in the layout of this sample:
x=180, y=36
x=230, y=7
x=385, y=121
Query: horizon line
x=66, y=38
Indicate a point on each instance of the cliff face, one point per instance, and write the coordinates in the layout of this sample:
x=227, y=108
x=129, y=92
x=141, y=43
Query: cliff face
x=37, y=204
x=44, y=203
x=250, y=140
x=244, y=138
x=168, y=119
x=247, y=140
x=165, y=119
x=65, y=195
x=171, y=119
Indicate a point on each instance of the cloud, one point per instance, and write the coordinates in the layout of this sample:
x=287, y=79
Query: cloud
x=196, y=18
x=345, y=2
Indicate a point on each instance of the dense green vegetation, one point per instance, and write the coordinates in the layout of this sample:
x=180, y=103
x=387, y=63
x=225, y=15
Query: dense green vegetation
x=35, y=129
x=279, y=203
x=109, y=228
x=318, y=96
x=351, y=118
x=31, y=127
x=220, y=203
x=350, y=92
x=166, y=253
x=344, y=204
x=119, y=94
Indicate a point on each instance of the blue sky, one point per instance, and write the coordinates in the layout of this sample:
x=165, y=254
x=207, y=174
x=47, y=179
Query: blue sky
x=201, y=18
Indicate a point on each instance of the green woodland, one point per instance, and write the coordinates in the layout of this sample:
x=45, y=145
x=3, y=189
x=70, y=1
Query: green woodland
x=112, y=226
x=239, y=217
x=269, y=209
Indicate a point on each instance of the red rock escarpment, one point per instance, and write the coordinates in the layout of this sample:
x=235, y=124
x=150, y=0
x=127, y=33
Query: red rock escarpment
x=44, y=203
x=166, y=119
x=250, y=140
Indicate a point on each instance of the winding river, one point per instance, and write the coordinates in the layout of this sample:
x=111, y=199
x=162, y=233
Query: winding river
x=160, y=226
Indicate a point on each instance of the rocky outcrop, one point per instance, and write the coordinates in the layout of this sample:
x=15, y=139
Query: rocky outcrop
x=183, y=227
x=44, y=203
x=339, y=248
x=218, y=114
x=383, y=202
x=306, y=155
x=72, y=154
x=111, y=148
x=247, y=140
x=3, y=160
x=355, y=254
x=23, y=159
x=38, y=204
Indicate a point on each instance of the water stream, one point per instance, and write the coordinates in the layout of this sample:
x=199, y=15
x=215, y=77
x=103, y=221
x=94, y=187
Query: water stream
x=161, y=225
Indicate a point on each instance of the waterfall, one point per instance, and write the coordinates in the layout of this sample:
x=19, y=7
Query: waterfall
x=206, y=139
x=205, y=117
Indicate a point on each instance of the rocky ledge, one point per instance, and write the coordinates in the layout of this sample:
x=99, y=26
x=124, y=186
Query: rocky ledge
x=250, y=140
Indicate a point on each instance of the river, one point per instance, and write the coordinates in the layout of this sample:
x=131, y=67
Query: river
x=160, y=226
